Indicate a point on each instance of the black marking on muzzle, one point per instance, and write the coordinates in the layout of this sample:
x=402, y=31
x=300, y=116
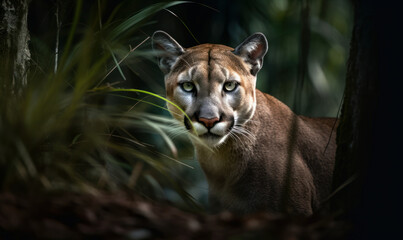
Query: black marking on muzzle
x=187, y=123
x=232, y=123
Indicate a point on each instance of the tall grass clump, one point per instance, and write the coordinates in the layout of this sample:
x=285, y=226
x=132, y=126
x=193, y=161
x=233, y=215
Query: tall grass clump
x=74, y=128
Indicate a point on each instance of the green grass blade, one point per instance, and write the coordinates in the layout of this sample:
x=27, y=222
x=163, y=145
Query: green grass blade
x=164, y=136
x=151, y=94
x=117, y=64
x=30, y=166
x=184, y=24
x=140, y=16
x=72, y=31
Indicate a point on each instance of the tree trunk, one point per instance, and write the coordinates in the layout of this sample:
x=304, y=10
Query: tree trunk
x=14, y=51
x=368, y=170
x=354, y=135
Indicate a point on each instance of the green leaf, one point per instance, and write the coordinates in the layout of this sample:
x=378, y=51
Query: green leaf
x=152, y=94
x=116, y=63
x=140, y=16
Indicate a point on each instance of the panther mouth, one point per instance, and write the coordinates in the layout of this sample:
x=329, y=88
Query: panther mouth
x=228, y=125
x=213, y=140
x=210, y=135
x=213, y=135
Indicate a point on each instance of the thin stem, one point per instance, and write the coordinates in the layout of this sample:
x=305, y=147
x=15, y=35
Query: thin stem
x=58, y=24
x=99, y=14
x=124, y=58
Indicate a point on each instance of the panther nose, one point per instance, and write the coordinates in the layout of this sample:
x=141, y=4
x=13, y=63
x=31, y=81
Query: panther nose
x=209, y=122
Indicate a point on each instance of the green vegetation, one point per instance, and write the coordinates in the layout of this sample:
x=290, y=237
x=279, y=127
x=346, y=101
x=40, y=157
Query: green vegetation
x=76, y=129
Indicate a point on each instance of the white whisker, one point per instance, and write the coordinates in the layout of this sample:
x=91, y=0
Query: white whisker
x=236, y=138
x=246, y=120
x=234, y=135
x=246, y=134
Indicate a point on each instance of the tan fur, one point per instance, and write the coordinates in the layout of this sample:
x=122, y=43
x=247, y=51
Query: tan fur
x=248, y=176
x=278, y=162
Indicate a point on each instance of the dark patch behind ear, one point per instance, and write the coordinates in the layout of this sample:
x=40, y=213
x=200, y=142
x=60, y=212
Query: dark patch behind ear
x=252, y=50
x=167, y=50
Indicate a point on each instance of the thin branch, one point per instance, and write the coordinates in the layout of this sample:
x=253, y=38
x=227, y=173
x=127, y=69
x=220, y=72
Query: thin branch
x=124, y=58
x=58, y=24
x=99, y=15
x=335, y=122
x=184, y=24
x=341, y=187
x=304, y=45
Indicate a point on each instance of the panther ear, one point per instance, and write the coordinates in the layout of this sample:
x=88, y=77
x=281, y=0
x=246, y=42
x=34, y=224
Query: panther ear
x=167, y=50
x=252, y=50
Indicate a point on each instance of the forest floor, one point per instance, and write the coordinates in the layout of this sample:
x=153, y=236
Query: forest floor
x=120, y=216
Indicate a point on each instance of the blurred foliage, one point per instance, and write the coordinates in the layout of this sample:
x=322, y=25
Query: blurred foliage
x=77, y=126
x=71, y=130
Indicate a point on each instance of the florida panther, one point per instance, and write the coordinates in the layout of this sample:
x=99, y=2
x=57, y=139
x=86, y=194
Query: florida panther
x=265, y=157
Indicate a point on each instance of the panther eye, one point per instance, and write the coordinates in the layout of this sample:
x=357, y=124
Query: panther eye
x=188, y=86
x=230, y=86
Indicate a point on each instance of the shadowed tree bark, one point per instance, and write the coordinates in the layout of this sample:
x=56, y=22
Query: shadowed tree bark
x=14, y=51
x=368, y=168
x=354, y=134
